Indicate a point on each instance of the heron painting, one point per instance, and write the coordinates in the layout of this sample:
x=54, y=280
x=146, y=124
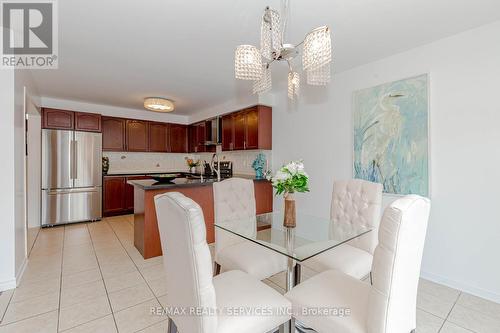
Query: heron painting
x=391, y=131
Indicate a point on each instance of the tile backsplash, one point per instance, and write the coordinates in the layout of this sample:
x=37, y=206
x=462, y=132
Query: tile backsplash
x=123, y=162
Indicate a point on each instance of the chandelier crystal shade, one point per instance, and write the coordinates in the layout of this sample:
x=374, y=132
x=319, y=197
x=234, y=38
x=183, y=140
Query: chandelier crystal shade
x=317, y=49
x=293, y=85
x=247, y=63
x=253, y=64
x=264, y=84
x=319, y=77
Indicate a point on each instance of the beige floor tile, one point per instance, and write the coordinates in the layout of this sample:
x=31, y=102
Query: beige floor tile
x=437, y=290
x=159, y=286
x=5, y=297
x=73, y=280
x=41, y=274
x=82, y=293
x=125, y=298
x=434, y=305
x=36, y=288
x=480, y=304
x=452, y=328
x=163, y=300
x=44, y=323
x=75, y=266
x=428, y=323
x=31, y=307
x=153, y=272
x=160, y=327
x=118, y=269
x=101, y=325
x=122, y=281
x=138, y=317
x=473, y=320
x=83, y=312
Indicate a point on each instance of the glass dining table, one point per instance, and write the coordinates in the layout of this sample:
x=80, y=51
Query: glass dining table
x=311, y=237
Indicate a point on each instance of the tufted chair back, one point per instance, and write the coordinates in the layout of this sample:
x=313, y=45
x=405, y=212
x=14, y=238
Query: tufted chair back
x=234, y=200
x=357, y=201
x=187, y=261
x=396, y=266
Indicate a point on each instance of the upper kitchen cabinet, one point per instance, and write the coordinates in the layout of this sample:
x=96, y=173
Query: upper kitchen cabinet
x=89, y=122
x=248, y=129
x=197, y=137
x=227, y=132
x=58, y=119
x=178, y=138
x=158, y=137
x=113, y=134
x=137, y=136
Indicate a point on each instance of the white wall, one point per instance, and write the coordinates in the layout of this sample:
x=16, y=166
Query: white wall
x=7, y=203
x=114, y=111
x=463, y=240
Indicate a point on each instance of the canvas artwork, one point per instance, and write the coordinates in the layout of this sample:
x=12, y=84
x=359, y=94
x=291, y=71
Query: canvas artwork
x=391, y=130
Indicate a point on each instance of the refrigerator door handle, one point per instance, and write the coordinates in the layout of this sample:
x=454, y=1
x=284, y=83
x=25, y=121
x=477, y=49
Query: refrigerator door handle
x=71, y=191
x=76, y=159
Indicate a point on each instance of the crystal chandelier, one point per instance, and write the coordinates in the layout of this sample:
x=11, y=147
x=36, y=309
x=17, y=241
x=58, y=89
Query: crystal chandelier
x=250, y=63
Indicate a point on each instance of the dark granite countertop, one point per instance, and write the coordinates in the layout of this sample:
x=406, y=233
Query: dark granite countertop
x=151, y=184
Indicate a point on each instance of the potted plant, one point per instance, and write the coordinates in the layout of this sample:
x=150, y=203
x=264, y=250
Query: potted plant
x=192, y=164
x=288, y=180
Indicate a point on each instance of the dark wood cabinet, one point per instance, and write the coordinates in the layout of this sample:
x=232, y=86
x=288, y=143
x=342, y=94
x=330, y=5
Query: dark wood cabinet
x=58, y=119
x=113, y=196
x=158, y=137
x=137, y=135
x=227, y=132
x=178, y=138
x=118, y=195
x=252, y=129
x=197, y=137
x=89, y=122
x=239, y=124
x=247, y=129
x=113, y=134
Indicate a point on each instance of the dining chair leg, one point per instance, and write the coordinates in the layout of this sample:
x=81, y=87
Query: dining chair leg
x=371, y=281
x=216, y=268
x=297, y=273
x=171, y=326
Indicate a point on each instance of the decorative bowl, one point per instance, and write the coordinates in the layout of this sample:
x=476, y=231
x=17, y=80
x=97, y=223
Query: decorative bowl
x=165, y=177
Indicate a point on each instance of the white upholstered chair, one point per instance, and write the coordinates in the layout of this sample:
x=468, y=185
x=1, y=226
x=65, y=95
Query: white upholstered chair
x=234, y=200
x=190, y=282
x=355, y=202
x=387, y=306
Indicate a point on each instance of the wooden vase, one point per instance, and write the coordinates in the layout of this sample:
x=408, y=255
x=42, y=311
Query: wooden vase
x=290, y=219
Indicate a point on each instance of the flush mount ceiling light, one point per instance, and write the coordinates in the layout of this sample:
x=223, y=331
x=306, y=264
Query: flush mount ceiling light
x=250, y=63
x=158, y=104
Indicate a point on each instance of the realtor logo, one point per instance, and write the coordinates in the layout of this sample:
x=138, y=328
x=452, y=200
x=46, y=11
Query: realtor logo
x=29, y=34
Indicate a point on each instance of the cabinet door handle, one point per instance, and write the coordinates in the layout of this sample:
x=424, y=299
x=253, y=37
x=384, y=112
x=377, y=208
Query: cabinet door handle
x=244, y=145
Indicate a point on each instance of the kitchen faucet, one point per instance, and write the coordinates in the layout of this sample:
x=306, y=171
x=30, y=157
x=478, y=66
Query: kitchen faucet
x=212, y=166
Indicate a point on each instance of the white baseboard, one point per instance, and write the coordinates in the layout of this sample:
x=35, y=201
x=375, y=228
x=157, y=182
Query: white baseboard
x=479, y=292
x=7, y=285
x=20, y=273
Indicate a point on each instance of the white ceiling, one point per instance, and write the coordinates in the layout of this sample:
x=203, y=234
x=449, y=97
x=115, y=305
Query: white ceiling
x=117, y=52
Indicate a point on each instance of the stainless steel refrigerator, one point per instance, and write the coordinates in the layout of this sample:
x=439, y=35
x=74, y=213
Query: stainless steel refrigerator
x=71, y=177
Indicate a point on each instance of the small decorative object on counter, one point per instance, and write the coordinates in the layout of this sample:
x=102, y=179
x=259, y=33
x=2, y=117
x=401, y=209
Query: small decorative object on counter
x=105, y=165
x=192, y=164
x=258, y=165
x=288, y=180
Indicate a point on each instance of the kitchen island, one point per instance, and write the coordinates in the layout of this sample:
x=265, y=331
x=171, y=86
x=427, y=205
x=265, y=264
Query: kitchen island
x=146, y=233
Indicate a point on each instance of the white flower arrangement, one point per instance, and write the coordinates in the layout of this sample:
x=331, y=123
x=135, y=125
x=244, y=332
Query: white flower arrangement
x=291, y=178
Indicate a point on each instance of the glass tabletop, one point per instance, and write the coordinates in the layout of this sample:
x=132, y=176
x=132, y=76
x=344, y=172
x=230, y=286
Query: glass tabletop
x=312, y=235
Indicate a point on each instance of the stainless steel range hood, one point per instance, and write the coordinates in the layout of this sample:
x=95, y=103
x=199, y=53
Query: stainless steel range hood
x=213, y=131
